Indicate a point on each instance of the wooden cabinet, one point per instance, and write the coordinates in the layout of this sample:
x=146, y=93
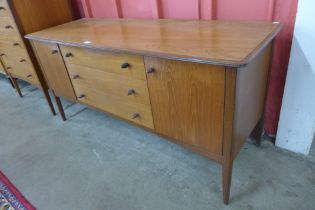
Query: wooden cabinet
x=18, y=17
x=201, y=84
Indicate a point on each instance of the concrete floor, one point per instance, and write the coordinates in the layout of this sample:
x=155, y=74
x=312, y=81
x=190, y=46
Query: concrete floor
x=93, y=161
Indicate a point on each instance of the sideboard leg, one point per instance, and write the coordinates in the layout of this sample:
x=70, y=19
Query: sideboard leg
x=48, y=99
x=227, y=168
x=17, y=87
x=60, y=107
x=257, y=132
x=10, y=80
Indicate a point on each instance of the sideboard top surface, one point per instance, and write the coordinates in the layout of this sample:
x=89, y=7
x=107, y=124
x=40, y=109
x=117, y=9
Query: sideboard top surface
x=215, y=42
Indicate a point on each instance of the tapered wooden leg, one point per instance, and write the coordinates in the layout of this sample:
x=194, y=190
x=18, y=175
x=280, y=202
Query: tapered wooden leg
x=60, y=107
x=226, y=180
x=257, y=132
x=16, y=86
x=10, y=80
x=48, y=99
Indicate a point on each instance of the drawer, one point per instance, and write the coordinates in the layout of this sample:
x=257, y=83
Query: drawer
x=131, y=90
x=22, y=69
x=138, y=113
x=4, y=9
x=129, y=65
x=16, y=48
x=8, y=28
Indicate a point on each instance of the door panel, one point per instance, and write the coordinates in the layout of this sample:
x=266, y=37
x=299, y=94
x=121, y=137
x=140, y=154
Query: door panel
x=187, y=102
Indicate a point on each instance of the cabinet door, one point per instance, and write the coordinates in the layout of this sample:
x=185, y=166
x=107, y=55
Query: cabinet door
x=54, y=69
x=187, y=102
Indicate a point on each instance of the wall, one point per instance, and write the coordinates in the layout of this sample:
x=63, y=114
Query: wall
x=261, y=10
x=297, y=122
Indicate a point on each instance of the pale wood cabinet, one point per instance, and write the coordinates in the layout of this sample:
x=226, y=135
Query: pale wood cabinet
x=202, y=84
x=17, y=18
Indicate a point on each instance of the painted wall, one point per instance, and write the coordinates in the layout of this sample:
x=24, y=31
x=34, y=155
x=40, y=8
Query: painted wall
x=261, y=10
x=297, y=121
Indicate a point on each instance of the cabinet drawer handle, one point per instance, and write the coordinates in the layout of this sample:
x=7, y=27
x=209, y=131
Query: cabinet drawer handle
x=22, y=60
x=81, y=96
x=135, y=116
x=8, y=27
x=76, y=76
x=2, y=54
x=8, y=68
x=151, y=71
x=125, y=65
x=68, y=55
x=131, y=92
x=54, y=52
x=28, y=76
x=16, y=44
x=2, y=8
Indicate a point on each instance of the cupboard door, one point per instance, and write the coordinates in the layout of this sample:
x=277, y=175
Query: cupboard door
x=187, y=102
x=54, y=69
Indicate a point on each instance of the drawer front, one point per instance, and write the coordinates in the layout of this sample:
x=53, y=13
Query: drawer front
x=8, y=29
x=137, y=113
x=54, y=70
x=16, y=48
x=4, y=9
x=129, y=65
x=130, y=90
x=21, y=68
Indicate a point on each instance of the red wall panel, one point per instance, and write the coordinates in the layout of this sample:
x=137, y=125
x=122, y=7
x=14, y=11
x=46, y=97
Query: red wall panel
x=258, y=10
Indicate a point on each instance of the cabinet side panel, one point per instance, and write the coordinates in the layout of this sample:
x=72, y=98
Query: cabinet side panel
x=35, y=15
x=187, y=102
x=54, y=70
x=251, y=86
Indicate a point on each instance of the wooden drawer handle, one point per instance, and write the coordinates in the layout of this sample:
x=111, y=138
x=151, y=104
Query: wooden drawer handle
x=125, y=65
x=76, y=76
x=8, y=68
x=54, y=52
x=68, y=55
x=22, y=60
x=81, y=96
x=2, y=54
x=2, y=8
x=28, y=76
x=135, y=116
x=8, y=27
x=16, y=44
x=151, y=71
x=131, y=92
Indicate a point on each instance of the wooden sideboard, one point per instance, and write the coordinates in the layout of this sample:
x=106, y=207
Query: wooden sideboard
x=20, y=17
x=202, y=84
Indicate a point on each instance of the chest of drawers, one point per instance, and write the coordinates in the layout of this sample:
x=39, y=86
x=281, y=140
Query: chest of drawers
x=201, y=84
x=17, y=18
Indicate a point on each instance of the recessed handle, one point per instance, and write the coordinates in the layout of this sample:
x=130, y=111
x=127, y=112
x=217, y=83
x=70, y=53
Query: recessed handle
x=8, y=68
x=54, y=52
x=2, y=54
x=81, y=96
x=125, y=65
x=8, y=26
x=131, y=92
x=151, y=71
x=28, y=76
x=76, y=76
x=22, y=60
x=16, y=44
x=135, y=116
x=68, y=55
x=2, y=8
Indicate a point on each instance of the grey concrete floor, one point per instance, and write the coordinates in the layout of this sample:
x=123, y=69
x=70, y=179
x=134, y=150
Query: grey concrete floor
x=93, y=161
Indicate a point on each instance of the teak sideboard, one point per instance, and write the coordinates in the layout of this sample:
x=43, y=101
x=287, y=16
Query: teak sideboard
x=20, y=17
x=201, y=84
